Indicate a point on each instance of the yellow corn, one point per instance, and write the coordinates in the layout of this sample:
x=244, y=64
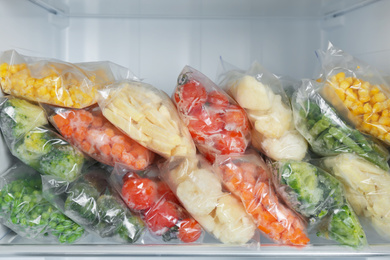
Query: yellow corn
x=340, y=76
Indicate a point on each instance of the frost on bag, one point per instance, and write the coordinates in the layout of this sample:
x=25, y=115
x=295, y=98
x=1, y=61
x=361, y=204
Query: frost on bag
x=357, y=91
x=261, y=94
x=28, y=213
x=200, y=191
x=319, y=197
x=148, y=116
x=92, y=203
x=366, y=187
x=56, y=82
x=92, y=133
x=217, y=124
x=248, y=177
x=23, y=125
x=163, y=214
x=326, y=132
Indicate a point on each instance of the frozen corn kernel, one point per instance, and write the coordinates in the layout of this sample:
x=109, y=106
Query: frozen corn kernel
x=340, y=76
x=367, y=108
x=340, y=93
x=379, y=97
x=364, y=95
x=345, y=84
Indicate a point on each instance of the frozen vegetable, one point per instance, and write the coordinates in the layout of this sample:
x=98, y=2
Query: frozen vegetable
x=261, y=94
x=148, y=116
x=326, y=132
x=366, y=187
x=89, y=131
x=28, y=213
x=200, y=191
x=216, y=123
x=248, y=177
x=319, y=197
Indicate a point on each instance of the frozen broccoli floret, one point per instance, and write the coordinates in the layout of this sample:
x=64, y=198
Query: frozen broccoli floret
x=111, y=213
x=131, y=229
x=18, y=116
x=62, y=161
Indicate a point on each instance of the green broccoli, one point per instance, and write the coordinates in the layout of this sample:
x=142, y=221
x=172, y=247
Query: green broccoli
x=131, y=228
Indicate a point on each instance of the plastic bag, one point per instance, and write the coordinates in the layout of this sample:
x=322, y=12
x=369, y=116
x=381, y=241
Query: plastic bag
x=92, y=203
x=261, y=94
x=217, y=124
x=200, y=191
x=28, y=213
x=319, y=197
x=56, y=82
x=366, y=187
x=37, y=145
x=92, y=133
x=357, y=91
x=161, y=211
x=248, y=177
x=148, y=116
x=326, y=132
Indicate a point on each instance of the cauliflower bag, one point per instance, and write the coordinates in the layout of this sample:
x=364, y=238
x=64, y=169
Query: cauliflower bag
x=326, y=132
x=217, y=124
x=92, y=133
x=248, y=177
x=148, y=116
x=357, y=91
x=28, y=213
x=92, y=203
x=366, y=187
x=319, y=197
x=144, y=192
x=200, y=191
x=23, y=126
x=261, y=94
x=56, y=82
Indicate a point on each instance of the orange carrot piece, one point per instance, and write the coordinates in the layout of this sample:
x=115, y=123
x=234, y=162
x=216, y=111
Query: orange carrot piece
x=60, y=121
x=109, y=132
x=106, y=149
x=117, y=150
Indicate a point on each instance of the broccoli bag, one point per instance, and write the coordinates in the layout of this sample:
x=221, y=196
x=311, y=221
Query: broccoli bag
x=326, y=132
x=248, y=177
x=199, y=189
x=319, y=197
x=148, y=116
x=23, y=126
x=56, y=82
x=92, y=133
x=163, y=214
x=366, y=187
x=92, y=203
x=28, y=213
x=217, y=124
x=261, y=94
x=357, y=91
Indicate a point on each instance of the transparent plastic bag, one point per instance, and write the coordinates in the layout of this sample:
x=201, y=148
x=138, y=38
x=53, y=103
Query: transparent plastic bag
x=200, y=191
x=262, y=96
x=148, y=116
x=28, y=213
x=248, y=177
x=39, y=147
x=162, y=213
x=319, y=197
x=217, y=124
x=92, y=133
x=357, y=90
x=92, y=203
x=56, y=82
x=366, y=187
x=326, y=132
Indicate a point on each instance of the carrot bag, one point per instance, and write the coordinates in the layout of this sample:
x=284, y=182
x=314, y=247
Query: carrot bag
x=92, y=202
x=200, y=191
x=92, y=133
x=164, y=216
x=56, y=82
x=268, y=108
x=357, y=91
x=30, y=139
x=25, y=211
x=217, y=124
x=248, y=177
x=148, y=116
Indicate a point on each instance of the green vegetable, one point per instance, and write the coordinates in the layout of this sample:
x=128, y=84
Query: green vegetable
x=319, y=197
